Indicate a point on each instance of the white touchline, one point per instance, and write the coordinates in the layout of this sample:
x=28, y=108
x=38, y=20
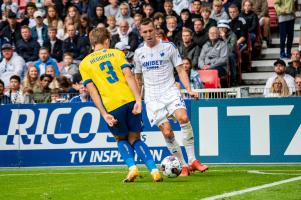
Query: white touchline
x=62, y=173
x=230, y=194
x=272, y=173
x=121, y=172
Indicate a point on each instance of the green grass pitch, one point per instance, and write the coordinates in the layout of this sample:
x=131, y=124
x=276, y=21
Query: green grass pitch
x=106, y=183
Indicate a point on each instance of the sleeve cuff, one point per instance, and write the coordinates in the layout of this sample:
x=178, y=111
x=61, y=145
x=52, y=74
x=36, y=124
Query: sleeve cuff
x=125, y=66
x=87, y=81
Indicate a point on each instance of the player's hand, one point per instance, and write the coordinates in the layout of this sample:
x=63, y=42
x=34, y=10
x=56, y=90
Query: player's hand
x=111, y=121
x=193, y=94
x=137, y=108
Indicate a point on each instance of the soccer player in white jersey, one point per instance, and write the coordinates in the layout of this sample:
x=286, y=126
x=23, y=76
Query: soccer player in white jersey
x=155, y=61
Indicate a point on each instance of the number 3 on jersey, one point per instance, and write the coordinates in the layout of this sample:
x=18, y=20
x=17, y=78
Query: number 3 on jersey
x=112, y=78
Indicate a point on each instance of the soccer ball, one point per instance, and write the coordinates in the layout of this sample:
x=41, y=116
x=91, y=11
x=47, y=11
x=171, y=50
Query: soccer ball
x=171, y=166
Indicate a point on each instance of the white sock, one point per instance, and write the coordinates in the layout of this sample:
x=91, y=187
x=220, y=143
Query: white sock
x=175, y=149
x=188, y=141
x=154, y=170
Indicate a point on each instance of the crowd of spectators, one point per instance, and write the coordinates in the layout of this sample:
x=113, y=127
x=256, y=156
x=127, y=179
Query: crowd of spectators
x=42, y=44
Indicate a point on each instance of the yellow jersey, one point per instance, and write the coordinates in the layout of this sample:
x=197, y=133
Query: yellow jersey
x=104, y=69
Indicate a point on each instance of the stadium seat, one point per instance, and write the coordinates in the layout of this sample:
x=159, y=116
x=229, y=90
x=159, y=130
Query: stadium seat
x=210, y=78
x=60, y=65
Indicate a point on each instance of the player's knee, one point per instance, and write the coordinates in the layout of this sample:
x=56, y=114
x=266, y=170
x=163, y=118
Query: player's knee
x=133, y=139
x=167, y=132
x=118, y=137
x=183, y=119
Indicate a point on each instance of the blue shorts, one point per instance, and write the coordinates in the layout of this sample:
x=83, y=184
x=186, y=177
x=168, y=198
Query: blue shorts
x=127, y=121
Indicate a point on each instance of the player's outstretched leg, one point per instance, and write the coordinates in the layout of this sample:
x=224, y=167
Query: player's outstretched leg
x=127, y=154
x=143, y=153
x=175, y=149
x=173, y=146
x=188, y=141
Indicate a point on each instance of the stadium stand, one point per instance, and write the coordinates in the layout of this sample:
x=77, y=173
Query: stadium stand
x=252, y=72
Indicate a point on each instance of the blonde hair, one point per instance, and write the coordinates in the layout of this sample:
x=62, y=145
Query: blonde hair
x=111, y=17
x=99, y=36
x=217, y=2
x=243, y=3
x=28, y=82
x=206, y=9
x=284, y=88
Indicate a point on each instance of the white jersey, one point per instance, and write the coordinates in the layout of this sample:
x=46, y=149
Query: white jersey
x=157, y=66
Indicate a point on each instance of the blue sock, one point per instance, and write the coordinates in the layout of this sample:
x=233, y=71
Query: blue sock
x=127, y=152
x=144, y=154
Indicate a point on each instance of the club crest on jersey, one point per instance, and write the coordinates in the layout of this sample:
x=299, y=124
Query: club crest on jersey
x=162, y=54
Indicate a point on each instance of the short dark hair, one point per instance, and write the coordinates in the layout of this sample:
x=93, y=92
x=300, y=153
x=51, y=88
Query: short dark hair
x=233, y=6
x=44, y=48
x=46, y=75
x=31, y=4
x=2, y=83
x=68, y=54
x=26, y=27
x=15, y=77
x=146, y=21
x=198, y=19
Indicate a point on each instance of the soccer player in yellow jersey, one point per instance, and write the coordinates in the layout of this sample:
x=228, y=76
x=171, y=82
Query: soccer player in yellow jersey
x=112, y=86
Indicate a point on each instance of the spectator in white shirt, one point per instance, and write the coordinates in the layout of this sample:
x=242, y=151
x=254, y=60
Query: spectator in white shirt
x=12, y=64
x=279, y=69
x=14, y=93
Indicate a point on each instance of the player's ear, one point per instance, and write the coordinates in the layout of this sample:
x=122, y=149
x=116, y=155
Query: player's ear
x=107, y=43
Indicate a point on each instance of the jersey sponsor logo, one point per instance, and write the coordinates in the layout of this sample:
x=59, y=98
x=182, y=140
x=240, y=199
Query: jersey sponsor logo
x=152, y=64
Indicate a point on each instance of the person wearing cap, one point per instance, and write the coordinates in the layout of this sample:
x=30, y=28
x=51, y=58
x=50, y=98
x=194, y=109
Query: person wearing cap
x=126, y=50
x=12, y=63
x=125, y=35
x=279, y=69
x=40, y=31
x=3, y=40
x=27, y=47
x=230, y=38
x=13, y=30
